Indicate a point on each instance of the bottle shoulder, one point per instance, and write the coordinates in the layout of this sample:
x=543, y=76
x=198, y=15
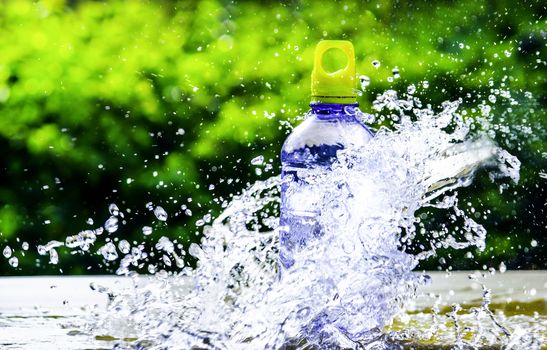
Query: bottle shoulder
x=316, y=132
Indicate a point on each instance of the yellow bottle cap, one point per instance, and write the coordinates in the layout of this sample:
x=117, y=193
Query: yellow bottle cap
x=338, y=86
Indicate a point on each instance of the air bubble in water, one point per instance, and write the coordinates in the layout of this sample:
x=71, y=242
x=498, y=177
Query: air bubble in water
x=111, y=225
x=259, y=160
x=492, y=98
x=425, y=84
x=89, y=221
x=160, y=213
x=146, y=230
x=25, y=245
x=376, y=64
x=364, y=81
x=7, y=252
x=395, y=72
x=13, y=261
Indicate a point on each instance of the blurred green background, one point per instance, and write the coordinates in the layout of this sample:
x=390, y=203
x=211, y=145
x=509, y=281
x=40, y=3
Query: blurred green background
x=168, y=101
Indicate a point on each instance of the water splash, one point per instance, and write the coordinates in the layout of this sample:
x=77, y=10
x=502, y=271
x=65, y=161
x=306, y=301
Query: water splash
x=346, y=285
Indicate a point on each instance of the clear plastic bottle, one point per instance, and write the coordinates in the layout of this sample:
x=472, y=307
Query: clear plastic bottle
x=312, y=148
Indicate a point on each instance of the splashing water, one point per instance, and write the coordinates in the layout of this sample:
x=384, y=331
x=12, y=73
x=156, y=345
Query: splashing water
x=344, y=286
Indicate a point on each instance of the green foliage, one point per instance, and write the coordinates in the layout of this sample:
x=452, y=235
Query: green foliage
x=135, y=102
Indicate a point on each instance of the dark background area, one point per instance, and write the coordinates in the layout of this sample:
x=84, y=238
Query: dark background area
x=138, y=102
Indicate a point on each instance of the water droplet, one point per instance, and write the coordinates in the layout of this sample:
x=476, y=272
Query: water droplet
x=207, y=218
x=7, y=252
x=41, y=250
x=534, y=243
x=124, y=246
x=113, y=209
x=485, y=110
x=364, y=81
x=411, y=89
x=259, y=160
x=111, y=225
x=108, y=251
x=165, y=244
x=160, y=213
x=166, y=260
x=13, y=261
x=376, y=64
x=53, y=257
x=147, y=230
x=461, y=45
x=395, y=72
x=502, y=267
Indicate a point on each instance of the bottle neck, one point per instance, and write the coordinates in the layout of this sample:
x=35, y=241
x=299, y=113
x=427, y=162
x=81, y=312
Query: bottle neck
x=334, y=110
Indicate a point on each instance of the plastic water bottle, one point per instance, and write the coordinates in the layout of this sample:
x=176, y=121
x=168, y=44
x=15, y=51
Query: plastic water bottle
x=312, y=148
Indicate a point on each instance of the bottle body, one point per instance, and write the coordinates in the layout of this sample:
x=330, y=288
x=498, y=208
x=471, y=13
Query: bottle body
x=308, y=152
